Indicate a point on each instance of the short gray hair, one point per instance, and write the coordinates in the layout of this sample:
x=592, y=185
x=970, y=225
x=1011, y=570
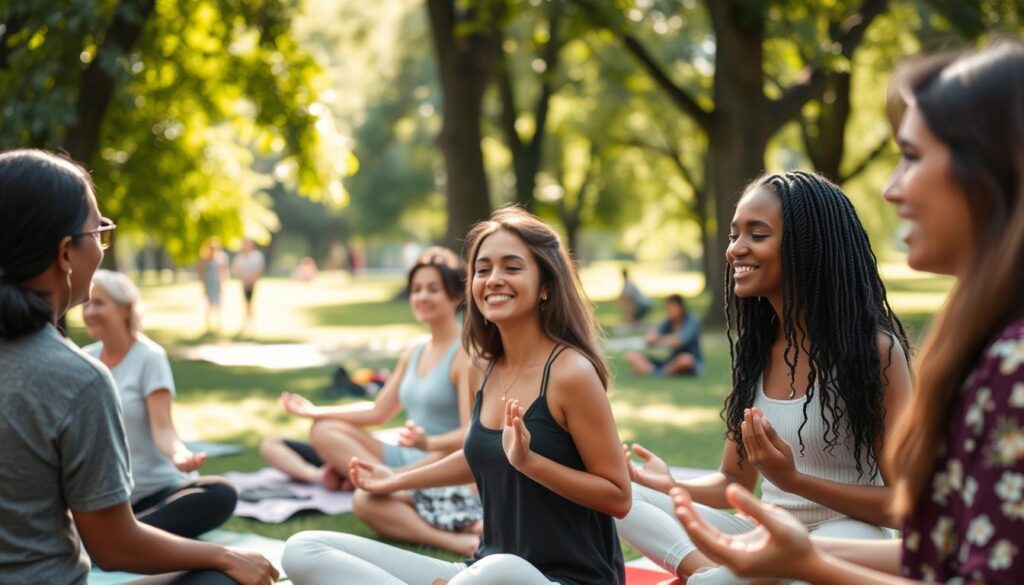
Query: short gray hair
x=125, y=293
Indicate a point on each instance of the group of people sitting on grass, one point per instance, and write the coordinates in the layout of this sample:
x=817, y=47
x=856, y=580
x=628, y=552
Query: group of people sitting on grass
x=823, y=408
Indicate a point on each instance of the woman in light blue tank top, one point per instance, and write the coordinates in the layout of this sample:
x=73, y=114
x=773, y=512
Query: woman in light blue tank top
x=430, y=383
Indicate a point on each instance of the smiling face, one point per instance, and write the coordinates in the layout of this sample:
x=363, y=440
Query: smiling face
x=103, y=316
x=939, y=233
x=755, y=245
x=505, y=279
x=428, y=298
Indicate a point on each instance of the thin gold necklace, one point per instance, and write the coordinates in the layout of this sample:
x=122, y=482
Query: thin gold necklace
x=501, y=382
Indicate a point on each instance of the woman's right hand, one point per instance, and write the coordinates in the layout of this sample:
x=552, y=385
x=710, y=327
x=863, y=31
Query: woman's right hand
x=780, y=546
x=654, y=473
x=248, y=568
x=297, y=405
x=187, y=461
x=371, y=477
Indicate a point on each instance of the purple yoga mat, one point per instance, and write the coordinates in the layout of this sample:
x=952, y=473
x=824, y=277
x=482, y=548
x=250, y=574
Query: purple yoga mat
x=277, y=510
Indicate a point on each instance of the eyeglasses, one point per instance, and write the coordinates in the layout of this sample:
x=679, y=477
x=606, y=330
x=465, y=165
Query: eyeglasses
x=105, y=232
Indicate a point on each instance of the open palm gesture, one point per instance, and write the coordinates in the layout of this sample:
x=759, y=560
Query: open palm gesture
x=372, y=477
x=654, y=473
x=775, y=548
x=515, y=439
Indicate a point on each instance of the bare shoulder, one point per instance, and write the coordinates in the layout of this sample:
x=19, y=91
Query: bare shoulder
x=890, y=352
x=461, y=361
x=403, y=358
x=572, y=374
x=478, y=363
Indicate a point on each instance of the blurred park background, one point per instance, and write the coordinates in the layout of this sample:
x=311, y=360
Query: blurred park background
x=351, y=132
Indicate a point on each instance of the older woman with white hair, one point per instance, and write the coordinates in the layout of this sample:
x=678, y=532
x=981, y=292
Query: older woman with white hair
x=167, y=492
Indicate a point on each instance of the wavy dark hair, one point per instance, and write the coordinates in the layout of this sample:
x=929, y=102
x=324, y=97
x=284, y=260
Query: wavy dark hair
x=448, y=265
x=833, y=306
x=567, y=316
x=973, y=102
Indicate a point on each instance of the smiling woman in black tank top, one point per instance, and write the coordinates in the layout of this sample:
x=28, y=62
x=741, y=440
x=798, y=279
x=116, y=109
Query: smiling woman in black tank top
x=542, y=445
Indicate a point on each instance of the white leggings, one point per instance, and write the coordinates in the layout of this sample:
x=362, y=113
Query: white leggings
x=318, y=557
x=651, y=528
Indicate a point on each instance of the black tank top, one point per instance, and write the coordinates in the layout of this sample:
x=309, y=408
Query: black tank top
x=568, y=543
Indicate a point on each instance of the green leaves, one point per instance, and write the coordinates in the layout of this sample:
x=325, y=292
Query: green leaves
x=206, y=86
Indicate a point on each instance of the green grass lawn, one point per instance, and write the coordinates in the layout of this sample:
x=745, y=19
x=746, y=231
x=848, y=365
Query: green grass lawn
x=677, y=418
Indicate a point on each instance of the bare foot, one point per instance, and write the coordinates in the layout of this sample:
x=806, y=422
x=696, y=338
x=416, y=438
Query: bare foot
x=331, y=479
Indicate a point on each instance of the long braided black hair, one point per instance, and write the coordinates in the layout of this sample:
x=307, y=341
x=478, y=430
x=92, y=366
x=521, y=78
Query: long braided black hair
x=830, y=280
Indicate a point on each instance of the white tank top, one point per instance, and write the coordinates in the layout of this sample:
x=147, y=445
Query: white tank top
x=839, y=465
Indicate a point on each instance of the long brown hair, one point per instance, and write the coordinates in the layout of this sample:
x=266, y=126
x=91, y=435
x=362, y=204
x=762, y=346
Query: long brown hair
x=567, y=316
x=974, y=104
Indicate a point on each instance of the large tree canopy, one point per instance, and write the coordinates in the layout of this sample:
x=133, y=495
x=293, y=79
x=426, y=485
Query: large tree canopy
x=167, y=101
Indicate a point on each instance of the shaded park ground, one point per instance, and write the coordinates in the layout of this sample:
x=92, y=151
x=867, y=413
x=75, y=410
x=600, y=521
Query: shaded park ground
x=361, y=322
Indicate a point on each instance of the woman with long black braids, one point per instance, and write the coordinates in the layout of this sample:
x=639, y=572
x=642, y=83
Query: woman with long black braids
x=819, y=365
x=959, y=485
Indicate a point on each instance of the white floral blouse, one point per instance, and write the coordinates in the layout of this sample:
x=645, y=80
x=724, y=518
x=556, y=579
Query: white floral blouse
x=969, y=526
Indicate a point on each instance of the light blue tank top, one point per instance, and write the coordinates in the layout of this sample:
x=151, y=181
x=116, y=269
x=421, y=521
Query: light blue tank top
x=432, y=401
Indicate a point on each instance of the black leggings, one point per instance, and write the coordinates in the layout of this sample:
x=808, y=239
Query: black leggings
x=189, y=509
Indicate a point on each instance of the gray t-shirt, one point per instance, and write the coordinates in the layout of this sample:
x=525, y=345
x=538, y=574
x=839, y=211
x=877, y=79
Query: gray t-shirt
x=62, y=446
x=143, y=370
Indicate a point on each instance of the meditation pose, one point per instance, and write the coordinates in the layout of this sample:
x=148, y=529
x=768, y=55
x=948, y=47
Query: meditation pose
x=431, y=382
x=677, y=337
x=819, y=372
x=542, y=445
x=166, y=492
x=956, y=451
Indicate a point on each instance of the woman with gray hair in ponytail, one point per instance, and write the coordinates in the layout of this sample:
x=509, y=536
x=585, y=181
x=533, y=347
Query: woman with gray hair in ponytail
x=167, y=493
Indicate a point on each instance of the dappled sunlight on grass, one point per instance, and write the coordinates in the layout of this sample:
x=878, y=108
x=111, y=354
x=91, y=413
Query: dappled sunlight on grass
x=603, y=281
x=663, y=414
x=218, y=420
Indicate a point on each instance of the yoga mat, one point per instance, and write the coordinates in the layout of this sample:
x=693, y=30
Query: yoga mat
x=643, y=571
x=212, y=449
x=277, y=510
x=270, y=548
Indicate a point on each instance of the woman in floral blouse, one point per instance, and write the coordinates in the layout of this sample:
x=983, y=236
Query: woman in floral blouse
x=959, y=447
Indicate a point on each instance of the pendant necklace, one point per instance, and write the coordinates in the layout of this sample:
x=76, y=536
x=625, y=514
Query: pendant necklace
x=501, y=382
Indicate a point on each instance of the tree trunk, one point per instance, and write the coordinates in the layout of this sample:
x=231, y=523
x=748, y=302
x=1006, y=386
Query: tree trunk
x=527, y=154
x=825, y=137
x=81, y=140
x=465, y=61
x=737, y=135
x=82, y=137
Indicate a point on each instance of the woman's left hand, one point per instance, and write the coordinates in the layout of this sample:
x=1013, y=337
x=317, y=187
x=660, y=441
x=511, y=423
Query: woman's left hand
x=779, y=547
x=186, y=460
x=515, y=439
x=767, y=451
x=414, y=436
